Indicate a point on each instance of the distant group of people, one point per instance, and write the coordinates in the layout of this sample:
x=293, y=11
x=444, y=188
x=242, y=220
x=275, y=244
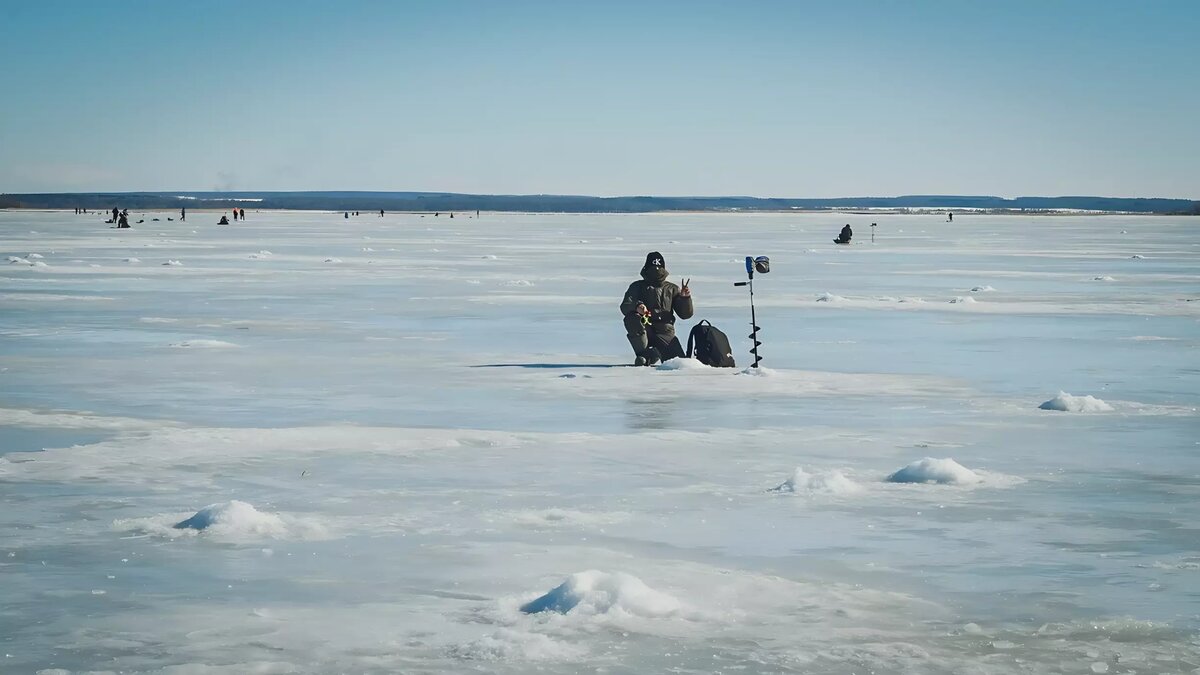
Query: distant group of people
x=120, y=218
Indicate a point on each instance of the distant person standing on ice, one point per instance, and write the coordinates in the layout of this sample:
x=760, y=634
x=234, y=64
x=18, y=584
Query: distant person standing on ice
x=951, y=218
x=183, y=214
x=649, y=308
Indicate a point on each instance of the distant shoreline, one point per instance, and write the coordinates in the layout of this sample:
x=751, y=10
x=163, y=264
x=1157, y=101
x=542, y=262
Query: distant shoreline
x=963, y=213
x=435, y=202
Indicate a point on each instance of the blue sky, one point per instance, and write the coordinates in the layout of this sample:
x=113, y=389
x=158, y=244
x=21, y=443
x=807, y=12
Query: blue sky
x=799, y=99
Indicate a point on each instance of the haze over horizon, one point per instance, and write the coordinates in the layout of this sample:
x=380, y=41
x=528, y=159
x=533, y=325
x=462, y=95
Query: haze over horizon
x=666, y=99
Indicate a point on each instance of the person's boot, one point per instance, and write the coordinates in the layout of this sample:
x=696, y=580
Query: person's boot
x=639, y=344
x=651, y=356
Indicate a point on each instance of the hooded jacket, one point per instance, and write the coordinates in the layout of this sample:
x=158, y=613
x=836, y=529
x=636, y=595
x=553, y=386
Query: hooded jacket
x=659, y=296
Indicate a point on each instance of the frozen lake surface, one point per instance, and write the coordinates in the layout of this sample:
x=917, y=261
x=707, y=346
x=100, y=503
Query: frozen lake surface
x=406, y=444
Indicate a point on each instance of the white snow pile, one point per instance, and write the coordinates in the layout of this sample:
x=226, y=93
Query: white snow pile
x=29, y=260
x=1104, y=277
x=173, y=263
x=830, y=297
x=34, y=256
x=133, y=260
x=819, y=483
x=233, y=520
x=488, y=257
x=683, y=364
x=1065, y=402
x=260, y=255
x=333, y=260
x=930, y=470
x=234, y=515
x=912, y=300
x=519, y=283
x=594, y=592
x=962, y=299
x=983, y=289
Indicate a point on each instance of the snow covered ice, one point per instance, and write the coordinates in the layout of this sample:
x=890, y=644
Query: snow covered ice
x=386, y=458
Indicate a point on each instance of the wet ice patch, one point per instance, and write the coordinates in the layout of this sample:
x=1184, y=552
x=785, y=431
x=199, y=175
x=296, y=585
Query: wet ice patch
x=944, y=471
x=595, y=592
x=507, y=644
x=831, y=482
x=203, y=344
x=1065, y=402
x=555, y=517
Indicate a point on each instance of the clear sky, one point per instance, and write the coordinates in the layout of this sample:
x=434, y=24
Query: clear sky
x=784, y=99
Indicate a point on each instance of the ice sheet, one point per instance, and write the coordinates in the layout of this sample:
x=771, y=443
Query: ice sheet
x=392, y=452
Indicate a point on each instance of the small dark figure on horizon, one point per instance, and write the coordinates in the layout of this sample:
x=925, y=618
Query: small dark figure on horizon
x=346, y=215
x=183, y=214
x=950, y=216
x=116, y=214
x=223, y=221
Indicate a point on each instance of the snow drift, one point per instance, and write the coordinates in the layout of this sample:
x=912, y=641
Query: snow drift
x=595, y=592
x=930, y=470
x=1065, y=402
x=819, y=483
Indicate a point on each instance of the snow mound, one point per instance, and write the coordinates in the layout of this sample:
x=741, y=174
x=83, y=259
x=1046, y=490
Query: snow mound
x=930, y=470
x=758, y=372
x=913, y=300
x=962, y=300
x=333, y=260
x=203, y=344
x=519, y=283
x=1104, y=277
x=488, y=257
x=830, y=297
x=34, y=256
x=1136, y=257
x=132, y=260
x=173, y=263
x=1065, y=402
x=983, y=289
x=820, y=482
x=594, y=592
x=237, y=516
x=682, y=364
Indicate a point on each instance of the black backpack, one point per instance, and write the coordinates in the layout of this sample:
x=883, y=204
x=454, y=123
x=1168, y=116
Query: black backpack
x=710, y=346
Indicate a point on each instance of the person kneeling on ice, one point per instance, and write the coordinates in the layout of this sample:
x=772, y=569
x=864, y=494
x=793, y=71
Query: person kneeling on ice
x=845, y=235
x=649, y=308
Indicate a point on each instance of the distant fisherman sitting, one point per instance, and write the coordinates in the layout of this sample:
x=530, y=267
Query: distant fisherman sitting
x=649, y=308
x=845, y=235
x=223, y=221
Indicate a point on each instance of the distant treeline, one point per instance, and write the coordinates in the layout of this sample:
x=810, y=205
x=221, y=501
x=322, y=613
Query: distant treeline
x=443, y=201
